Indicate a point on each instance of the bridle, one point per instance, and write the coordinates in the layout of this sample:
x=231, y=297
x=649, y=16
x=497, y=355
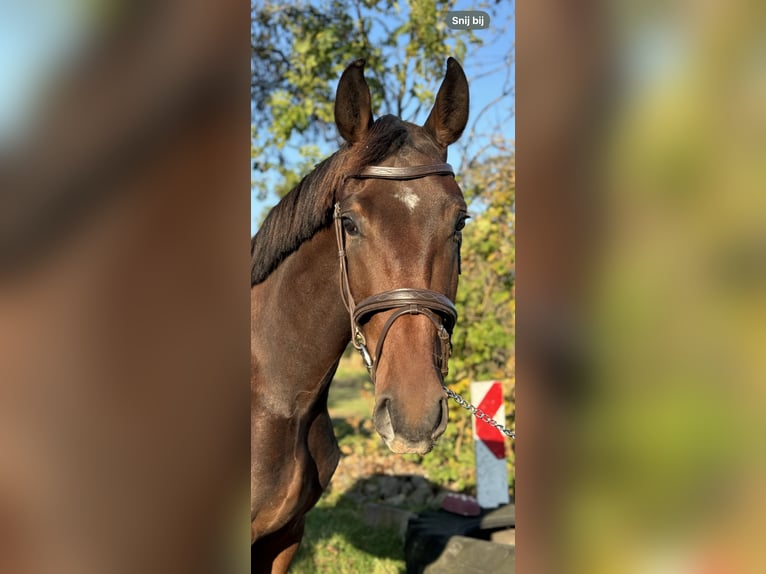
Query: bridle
x=436, y=306
x=406, y=300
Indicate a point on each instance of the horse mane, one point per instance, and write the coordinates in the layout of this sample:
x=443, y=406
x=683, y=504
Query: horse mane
x=307, y=208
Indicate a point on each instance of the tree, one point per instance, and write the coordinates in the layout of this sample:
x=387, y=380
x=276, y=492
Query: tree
x=484, y=341
x=300, y=49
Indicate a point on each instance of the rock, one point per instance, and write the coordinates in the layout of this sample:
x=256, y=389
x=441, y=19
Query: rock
x=396, y=500
x=507, y=536
x=389, y=486
x=436, y=543
x=463, y=555
x=370, y=488
x=435, y=500
x=419, y=496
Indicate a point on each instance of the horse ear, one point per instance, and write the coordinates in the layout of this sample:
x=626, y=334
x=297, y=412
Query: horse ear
x=449, y=115
x=353, y=110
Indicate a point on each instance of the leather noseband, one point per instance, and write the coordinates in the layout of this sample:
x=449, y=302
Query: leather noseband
x=404, y=301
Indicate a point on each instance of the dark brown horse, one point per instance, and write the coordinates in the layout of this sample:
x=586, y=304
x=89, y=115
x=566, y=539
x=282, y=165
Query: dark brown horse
x=384, y=215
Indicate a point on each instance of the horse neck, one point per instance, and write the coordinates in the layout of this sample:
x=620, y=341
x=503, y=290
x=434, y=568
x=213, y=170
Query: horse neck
x=299, y=324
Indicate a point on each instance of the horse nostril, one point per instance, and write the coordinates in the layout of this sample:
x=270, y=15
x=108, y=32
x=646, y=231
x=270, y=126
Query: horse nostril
x=441, y=421
x=382, y=419
x=382, y=406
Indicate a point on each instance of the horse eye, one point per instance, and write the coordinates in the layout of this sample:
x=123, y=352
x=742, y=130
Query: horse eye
x=461, y=222
x=349, y=226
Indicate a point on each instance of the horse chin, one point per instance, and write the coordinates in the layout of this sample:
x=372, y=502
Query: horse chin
x=399, y=445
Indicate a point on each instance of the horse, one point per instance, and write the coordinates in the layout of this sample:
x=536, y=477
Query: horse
x=379, y=223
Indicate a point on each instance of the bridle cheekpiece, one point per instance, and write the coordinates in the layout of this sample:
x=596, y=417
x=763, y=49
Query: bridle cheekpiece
x=437, y=307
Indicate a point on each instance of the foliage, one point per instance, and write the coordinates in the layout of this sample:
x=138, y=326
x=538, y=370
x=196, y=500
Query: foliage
x=483, y=341
x=299, y=51
x=484, y=337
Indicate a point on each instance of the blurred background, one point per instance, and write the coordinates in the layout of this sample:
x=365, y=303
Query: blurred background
x=640, y=301
x=641, y=286
x=124, y=315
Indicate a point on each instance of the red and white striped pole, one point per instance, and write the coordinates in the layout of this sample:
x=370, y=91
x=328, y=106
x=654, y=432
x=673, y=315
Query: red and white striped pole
x=489, y=443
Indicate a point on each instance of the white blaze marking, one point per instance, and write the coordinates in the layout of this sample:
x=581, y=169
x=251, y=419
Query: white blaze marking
x=408, y=198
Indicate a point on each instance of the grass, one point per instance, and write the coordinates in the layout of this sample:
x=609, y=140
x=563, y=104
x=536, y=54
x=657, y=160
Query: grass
x=351, y=392
x=336, y=540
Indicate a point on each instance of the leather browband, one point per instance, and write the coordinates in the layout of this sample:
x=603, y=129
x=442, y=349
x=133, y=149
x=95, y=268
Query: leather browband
x=409, y=172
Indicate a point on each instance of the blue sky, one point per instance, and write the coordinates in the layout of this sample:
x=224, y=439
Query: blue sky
x=484, y=86
x=37, y=39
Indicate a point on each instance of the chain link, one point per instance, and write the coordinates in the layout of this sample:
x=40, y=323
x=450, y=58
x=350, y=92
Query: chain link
x=478, y=413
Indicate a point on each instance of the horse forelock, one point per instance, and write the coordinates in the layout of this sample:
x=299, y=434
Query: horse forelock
x=307, y=208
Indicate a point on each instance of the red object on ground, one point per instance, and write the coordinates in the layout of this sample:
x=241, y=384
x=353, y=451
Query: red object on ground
x=461, y=504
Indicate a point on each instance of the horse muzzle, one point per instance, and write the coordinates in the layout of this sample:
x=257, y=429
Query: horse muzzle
x=409, y=437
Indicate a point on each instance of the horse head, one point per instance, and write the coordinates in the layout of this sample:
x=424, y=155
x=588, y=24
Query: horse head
x=398, y=226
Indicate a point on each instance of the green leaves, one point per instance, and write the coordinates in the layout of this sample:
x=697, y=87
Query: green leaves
x=483, y=341
x=300, y=50
x=484, y=337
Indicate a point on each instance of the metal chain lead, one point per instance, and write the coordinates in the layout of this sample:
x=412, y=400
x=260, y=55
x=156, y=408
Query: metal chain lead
x=478, y=413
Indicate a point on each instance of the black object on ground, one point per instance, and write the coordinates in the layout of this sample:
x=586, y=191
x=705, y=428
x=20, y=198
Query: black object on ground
x=444, y=543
